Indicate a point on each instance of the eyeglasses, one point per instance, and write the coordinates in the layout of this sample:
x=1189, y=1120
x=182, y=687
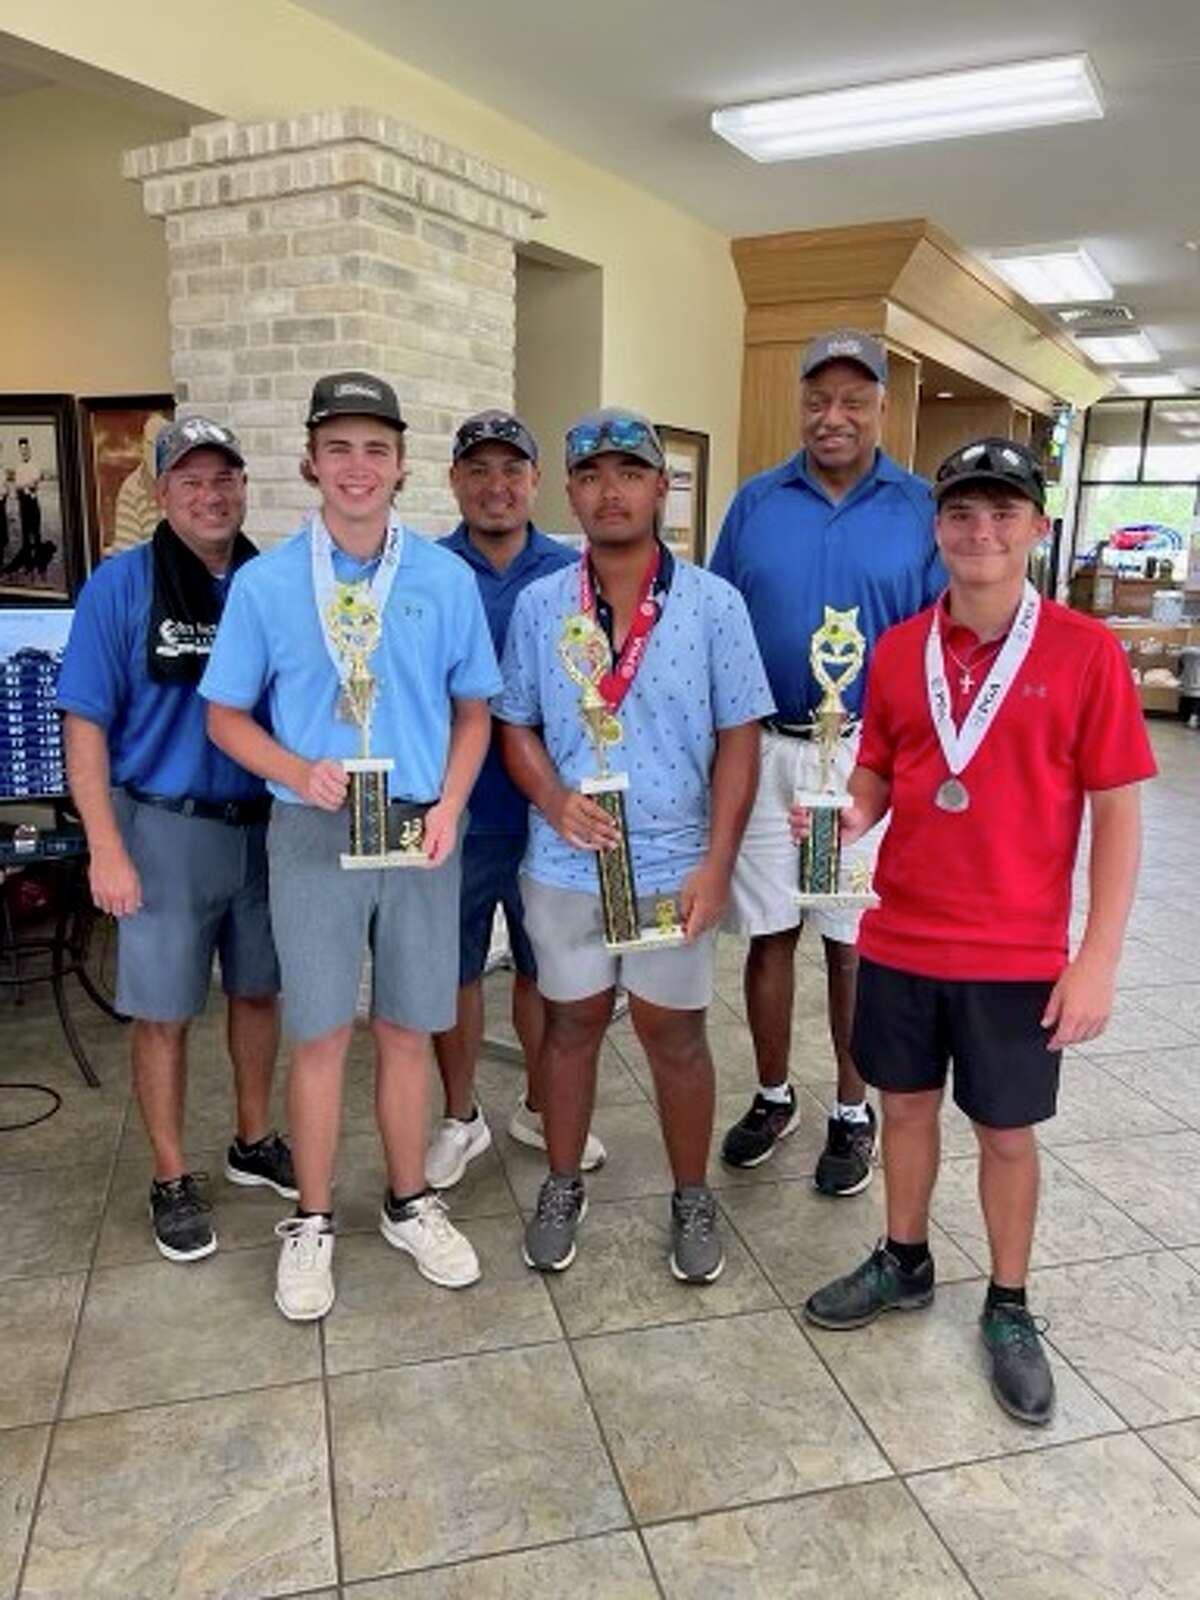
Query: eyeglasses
x=623, y=433
x=994, y=456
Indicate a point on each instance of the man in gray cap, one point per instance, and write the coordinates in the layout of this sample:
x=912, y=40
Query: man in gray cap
x=494, y=475
x=175, y=829
x=838, y=525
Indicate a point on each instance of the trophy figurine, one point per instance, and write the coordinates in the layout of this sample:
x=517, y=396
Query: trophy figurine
x=381, y=834
x=836, y=655
x=583, y=650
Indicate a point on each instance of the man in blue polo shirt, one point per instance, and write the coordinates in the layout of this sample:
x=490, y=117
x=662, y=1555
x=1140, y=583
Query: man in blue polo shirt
x=837, y=525
x=356, y=593
x=176, y=831
x=494, y=475
x=683, y=689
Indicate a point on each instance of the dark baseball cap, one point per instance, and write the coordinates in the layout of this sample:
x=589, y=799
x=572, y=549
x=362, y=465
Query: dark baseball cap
x=845, y=344
x=500, y=427
x=614, y=430
x=1001, y=461
x=180, y=438
x=354, y=394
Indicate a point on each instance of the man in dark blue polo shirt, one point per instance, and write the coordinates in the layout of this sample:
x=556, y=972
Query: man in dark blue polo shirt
x=494, y=476
x=837, y=525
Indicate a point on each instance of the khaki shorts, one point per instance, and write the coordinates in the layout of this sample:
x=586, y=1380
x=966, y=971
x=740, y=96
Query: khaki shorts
x=762, y=892
x=566, y=929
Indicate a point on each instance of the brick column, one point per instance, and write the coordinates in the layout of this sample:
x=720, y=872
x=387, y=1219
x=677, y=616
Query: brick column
x=335, y=240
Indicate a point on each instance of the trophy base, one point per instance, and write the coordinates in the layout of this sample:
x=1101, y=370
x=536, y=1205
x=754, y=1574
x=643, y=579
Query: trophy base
x=852, y=900
x=384, y=833
x=823, y=799
x=647, y=939
x=390, y=858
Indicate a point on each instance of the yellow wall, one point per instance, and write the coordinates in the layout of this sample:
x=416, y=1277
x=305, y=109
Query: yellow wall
x=82, y=268
x=672, y=308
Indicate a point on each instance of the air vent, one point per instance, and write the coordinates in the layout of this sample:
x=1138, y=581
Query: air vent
x=1095, y=318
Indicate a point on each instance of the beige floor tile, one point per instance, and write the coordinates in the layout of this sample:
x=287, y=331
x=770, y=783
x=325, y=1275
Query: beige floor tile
x=21, y=1454
x=622, y=1278
x=1178, y=1002
x=611, y=1567
x=636, y=1164
x=50, y=1226
x=226, y=1497
x=388, y=1315
x=802, y=1239
x=740, y=1409
x=1135, y=1026
x=37, y=1324
x=1166, y=1078
x=161, y=1330
x=1178, y=1443
x=1092, y=1104
x=528, y=1466
x=1154, y=1179
x=870, y=1542
x=1074, y=1223
x=920, y=1380
x=88, y=1119
x=1101, y=1520
x=1132, y=1329
x=241, y=1217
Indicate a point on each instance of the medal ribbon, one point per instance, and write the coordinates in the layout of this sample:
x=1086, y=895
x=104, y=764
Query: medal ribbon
x=959, y=745
x=616, y=684
x=326, y=584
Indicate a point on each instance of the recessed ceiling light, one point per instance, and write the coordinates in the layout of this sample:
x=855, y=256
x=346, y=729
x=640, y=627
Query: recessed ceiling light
x=1118, y=350
x=944, y=394
x=943, y=105
x=1188, y=433
x=1054, y=276
x=1191, y=244
x=1157, y=383
x=1178, y=413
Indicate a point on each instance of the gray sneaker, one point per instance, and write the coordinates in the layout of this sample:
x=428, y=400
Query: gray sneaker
x=550, y=1233
x=696, y=1254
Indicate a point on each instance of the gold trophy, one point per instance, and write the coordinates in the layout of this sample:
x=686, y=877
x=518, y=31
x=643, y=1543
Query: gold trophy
x=583, y=650
x=836, y=654
x=381, y=835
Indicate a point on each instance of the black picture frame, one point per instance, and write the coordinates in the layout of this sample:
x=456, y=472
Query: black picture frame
x=685, y=521
x=41, y=505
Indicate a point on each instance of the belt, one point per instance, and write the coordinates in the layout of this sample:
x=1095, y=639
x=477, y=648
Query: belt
x=789, y=730
x=237, y=813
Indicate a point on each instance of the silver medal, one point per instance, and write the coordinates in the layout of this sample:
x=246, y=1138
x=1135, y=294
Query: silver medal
x=952, y=795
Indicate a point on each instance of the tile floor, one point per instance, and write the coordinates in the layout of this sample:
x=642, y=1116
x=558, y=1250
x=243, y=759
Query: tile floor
x=611, y=1435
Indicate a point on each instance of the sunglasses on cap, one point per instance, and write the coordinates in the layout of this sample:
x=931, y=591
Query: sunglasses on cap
x=997, y=460
x=506, y=429
x=629, y=434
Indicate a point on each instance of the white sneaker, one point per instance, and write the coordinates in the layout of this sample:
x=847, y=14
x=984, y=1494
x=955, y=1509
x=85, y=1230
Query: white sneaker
x=443, y=1255
x=454, y=1144
x=525, y=1126
x=304, y=1279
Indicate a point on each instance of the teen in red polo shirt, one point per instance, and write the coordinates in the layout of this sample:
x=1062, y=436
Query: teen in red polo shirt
x=990, y=717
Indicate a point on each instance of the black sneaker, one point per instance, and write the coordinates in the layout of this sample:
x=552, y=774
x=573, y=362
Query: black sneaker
x=549, y=1243
x=182, y=1230
x=752, y=1140
x=1021, y=1378
x=844, y=1166
x=879, y=1284
x=269, y=1162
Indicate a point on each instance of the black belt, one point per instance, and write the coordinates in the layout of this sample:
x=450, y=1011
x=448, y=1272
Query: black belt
x=789, y=730
x=237, y=813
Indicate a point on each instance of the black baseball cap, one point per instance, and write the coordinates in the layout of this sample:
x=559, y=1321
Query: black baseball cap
x=845, y=344
x=501, y=427
x=354, y=394
x=180, y=438
x=1001, y=461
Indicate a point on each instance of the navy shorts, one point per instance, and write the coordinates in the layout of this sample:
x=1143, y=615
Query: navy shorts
x=490, y=863
x=908, y=1029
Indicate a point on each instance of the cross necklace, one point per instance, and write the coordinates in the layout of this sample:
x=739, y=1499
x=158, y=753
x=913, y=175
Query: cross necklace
x=966, y=680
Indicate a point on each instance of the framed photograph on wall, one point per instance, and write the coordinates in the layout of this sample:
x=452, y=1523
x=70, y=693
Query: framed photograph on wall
x=686, y=513
x=41, y=519
x=118, y=464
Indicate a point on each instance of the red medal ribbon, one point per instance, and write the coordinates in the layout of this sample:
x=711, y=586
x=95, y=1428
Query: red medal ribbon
x=615, y=685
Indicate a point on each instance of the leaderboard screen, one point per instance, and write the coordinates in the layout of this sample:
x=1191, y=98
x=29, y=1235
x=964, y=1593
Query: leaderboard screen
x=31, y=744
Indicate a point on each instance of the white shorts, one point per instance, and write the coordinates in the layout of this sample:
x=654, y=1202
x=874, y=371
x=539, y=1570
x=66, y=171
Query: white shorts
x=762, y=896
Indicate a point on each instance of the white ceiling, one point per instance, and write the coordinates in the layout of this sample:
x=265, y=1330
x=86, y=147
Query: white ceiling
x=629, y=84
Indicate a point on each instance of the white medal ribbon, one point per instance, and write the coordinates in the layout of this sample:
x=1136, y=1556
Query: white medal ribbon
x=960, y=744
x=326, y=583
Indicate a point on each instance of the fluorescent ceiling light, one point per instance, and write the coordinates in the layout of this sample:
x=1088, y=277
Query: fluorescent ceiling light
x=1118, y=350
x=1178, y=413
x=1188, y=433
x=943, y=105
x=1159, y=383
x=1053, y=276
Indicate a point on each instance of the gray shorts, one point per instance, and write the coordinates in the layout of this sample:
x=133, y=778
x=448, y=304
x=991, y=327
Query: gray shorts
x=204, y=889
x=566, y=929
x=326, y=918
